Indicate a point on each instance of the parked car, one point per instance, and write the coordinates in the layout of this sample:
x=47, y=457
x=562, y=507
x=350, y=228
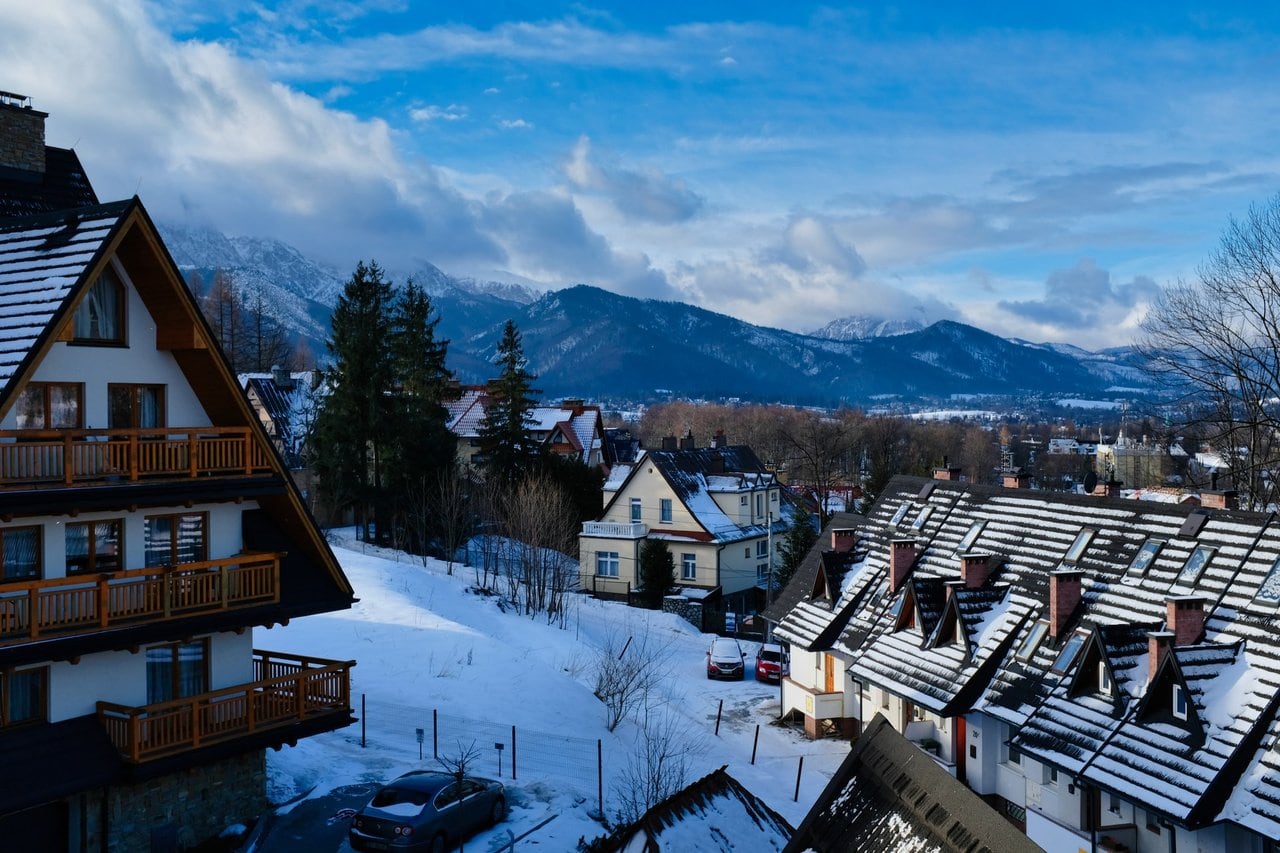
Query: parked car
x=772, y=663
x=426, y=810
x=726, y=659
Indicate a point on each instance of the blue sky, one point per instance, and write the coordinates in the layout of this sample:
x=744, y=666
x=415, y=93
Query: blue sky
x=1037, y=173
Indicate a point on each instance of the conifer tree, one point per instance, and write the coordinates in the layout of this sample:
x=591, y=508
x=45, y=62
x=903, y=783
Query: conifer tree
x=657, y=572
x=507, y=444
x=795, y=544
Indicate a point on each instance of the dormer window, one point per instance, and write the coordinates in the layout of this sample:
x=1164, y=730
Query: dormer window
x=1076, y=551
x=1269, y=592
x=1195, y=564
x=923, y=517
x=1070, y=649
x=1104, y=679
x=900, y=514
x=1146, y=555
x=970, y=537
x=100, y=315
x=1179, y=702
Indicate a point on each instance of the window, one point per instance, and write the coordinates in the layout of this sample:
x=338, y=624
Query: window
x=1113, y=804
x=1032, y=642
x=1070, y=649
x=21, y=548
x=50, y=405
x=900, y=514
x=23, y=696
x=762, y=548
x=773, y=497
x=1146, y=555
x=607, y=563
x=1048, y=775
x=1076, y=551
x=1270, y=589
x=1195, y=564
x=762, y=572
x=746, y=552
x=176, y=670
x=1104, y=679
x=742, y=501
x=635, y=509
x=135, y=406
x=689, y=567
x=759, y=504
x=922, y=518
x=664, y=510
x=100, y=316
x=173, y=539
x=1179, y=702
x=94, y=546
x=970, y=537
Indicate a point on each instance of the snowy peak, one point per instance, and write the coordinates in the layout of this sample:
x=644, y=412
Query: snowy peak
x=861, y=327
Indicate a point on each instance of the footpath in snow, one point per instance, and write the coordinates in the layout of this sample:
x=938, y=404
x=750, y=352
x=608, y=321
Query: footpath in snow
x=425, y=642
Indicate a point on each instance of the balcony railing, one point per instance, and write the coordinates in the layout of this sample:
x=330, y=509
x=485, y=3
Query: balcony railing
x=287, y=690
x=93, y=456
x=615, y=529
x=31, y=610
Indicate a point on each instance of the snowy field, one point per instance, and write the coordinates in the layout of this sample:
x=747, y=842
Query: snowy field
x=425, y=640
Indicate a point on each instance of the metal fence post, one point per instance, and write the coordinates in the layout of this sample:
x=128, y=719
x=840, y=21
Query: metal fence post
x=513, y=753
x=363, y=717
x=719, y=711
x=755, y=743
x=600, y=774
x=799, y=769
x=435, y=734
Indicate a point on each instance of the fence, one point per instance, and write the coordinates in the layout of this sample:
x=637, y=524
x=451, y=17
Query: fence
x=500, y=750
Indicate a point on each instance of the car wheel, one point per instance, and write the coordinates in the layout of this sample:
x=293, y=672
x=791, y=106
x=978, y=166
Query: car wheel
x=499, y=811
x=439, y=844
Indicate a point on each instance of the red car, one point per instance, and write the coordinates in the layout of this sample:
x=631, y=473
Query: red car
x=772, y=663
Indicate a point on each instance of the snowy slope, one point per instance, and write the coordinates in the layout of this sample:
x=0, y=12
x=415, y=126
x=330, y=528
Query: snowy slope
x=423, y=639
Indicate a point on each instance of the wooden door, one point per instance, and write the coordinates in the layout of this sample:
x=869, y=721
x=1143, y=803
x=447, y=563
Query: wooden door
x=829, y=667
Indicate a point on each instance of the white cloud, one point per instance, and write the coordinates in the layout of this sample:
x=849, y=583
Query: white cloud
x=646, y=195
x=432, y=112
x=515, y=124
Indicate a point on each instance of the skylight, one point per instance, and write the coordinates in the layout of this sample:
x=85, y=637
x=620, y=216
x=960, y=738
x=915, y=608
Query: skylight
x=1146, y=555
x=1070, y=649
x=922, y=517
x=1195, y=564
x=901, y=513
x=970, y=537
x=1270, y=589
x=1076, y=551
x=1032, y=641
x=1194, y=522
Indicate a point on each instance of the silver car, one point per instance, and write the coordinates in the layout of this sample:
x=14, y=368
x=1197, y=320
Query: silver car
x=426, y=811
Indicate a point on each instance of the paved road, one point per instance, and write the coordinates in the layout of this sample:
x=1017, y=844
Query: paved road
x=316, y=824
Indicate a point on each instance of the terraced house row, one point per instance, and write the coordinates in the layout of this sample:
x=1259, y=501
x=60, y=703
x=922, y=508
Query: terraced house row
x=147, y=526
x=1105, y=672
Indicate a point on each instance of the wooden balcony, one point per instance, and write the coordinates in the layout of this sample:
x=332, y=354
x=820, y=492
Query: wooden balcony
x=95, y=456
x=32, y=610
x=287, y=690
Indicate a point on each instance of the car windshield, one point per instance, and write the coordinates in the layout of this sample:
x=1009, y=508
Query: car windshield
x=769, y=655
x=399, y=797
x=725, y=649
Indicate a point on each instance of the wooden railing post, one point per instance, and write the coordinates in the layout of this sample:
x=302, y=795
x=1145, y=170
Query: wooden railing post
x=195, y=723
x=103, y=601
x=68, y=470
x=135, y=746
x=192, y=454
x=300, y=694
x=135, y=465
x=33, y=613
x=250, y=712
x=167, y=590
x=248, y=452
x=224, y=578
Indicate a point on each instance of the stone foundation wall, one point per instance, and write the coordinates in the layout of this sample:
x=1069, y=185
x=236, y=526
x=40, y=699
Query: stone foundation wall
x=184, y=808
x=685, y=608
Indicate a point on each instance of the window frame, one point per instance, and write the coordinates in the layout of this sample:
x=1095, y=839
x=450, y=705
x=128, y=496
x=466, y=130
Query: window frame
x=1027, y=648
x=6, y=696
x=922, y=518
x=665, y=513
x=1179, y=697
x=1269, y=589
x=1076, y=643
x=637, y=511
x=1152, y=547
x=39, y=554
x=46, y=405
x=606, y=560
x=135, y=407
x=688, y=566
x=900, y=514
x=174, y=540
x=1075, y=551
x=175, y=669
x=108, y=277
x=92, y=556
x=1189, y=575
x=971, y=536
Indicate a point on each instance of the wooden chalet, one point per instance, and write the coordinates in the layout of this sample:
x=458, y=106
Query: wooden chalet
x=147, y=526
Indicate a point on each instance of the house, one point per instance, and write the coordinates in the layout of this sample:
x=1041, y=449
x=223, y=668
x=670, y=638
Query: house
x=1105, y=672
x=888, y=795
x=286, y=402
x=715, y=814
x=573, y=429
x=146, y=528
x=718, y=510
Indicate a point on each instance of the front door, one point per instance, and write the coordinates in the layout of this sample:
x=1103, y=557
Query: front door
x=829, y=670
x=960, y=749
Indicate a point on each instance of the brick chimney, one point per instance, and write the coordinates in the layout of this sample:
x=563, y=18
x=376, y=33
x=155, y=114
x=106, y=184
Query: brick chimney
x=1109, y=489
x=1227, y=499
x=843, y=539
x=946, y=471
x=573, y=404
x=902, y=555
x=1015, y=479
x=668, y=442
x=716, y=463
x=975, y=568
x=952, y=585
x=1064, y=597
x=21, y=134
x=1184, y=618
x=718, y=440
x=1158, y=645
x=282, y=378
x=687, y=443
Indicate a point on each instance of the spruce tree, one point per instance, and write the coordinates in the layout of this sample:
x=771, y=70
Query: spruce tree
x=507, y=445
x=657, y=572
x=796, y=543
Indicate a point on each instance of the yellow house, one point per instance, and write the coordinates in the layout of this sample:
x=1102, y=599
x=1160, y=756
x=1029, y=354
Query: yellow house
x=720, y=513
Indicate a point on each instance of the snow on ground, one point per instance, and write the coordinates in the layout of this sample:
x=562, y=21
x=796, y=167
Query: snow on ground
x=425, y=639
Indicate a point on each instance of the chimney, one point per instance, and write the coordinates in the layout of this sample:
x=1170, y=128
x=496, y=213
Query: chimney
x=1184, y=619
x=975, y=568
x=951, y=586
x=1158, y=645
x=902, y=554
x=1018, y=479
x=842, y=539
x=1064, y=596
x=1226, y=499
x=572, y=403
x=1108, y=489
x=717, y=463
x=687, y=443
x=946, y=471
x=668, y=442
x=718, y=440
x=282, y=378
x=21, y=134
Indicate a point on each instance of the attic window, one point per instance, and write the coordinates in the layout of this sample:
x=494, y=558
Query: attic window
x=1146, y=555
x=1104, y=679
x=1270, y=589
x=1070, y=649
x=1032, y=642
x=1179, y=702
x=923, y=517
x=1076, y=551
x=1194, y=522
x=100, y=315
x=1195, y=564
x=970, y=537
x=900, y=514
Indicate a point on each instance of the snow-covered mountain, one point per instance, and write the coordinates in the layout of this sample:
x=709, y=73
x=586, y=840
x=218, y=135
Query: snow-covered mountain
x=860, y=327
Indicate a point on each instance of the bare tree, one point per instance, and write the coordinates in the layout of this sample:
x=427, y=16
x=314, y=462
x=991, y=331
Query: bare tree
x=659, y=767
x=464, y=757
x=822, y=451
x=451, y=505
x=627, y=671
x=1217, y=339
x=540, y=516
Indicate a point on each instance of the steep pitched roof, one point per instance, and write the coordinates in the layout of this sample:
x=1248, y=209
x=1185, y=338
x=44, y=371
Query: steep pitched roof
x=62, y=186
x=888, y=795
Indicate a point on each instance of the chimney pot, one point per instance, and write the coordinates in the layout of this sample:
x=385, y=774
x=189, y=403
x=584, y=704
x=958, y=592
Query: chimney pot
x=902, y=555
x=1064, y=597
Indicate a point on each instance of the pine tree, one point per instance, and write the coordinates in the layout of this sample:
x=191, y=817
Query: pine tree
x=507, y=444
x=352, y=427
x=657, y=572
x=795, y=544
